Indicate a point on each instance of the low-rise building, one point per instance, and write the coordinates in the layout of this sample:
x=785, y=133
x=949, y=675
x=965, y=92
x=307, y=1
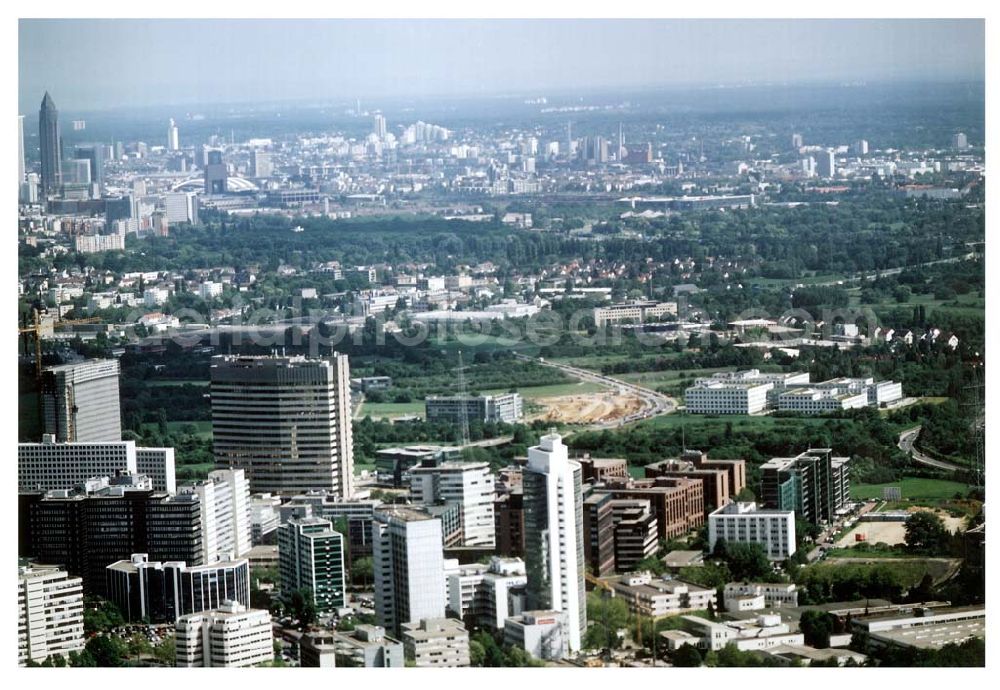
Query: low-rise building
x=648, y=595
x=743, y=523
x=367, y=646
x=635, y=312
x=436, y=643
x=507, y=408
x=744, y=596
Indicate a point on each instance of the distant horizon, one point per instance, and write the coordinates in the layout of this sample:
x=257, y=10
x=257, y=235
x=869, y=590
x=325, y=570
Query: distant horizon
x=372, y=103
x=104, y=65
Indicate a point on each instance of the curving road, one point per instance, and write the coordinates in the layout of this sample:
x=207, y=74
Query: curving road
x=654, y=404
x=908, y=438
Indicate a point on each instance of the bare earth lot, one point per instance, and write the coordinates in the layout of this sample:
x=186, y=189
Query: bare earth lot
x=587, y=409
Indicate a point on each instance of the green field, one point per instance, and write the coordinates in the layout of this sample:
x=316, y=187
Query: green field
x=390, y=410
x=739, y=422
x=913, y=488
x=969, y=304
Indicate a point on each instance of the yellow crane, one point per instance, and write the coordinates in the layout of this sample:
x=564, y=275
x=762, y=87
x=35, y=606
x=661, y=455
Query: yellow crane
x=36, y=329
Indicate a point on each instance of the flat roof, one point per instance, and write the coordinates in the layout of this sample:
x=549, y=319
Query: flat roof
x=933, y=635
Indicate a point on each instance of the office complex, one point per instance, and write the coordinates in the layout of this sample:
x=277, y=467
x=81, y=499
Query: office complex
x=658, y=596
x=676, y=502
x=161, y=592
x=553, y=535
x=50, y=146
x=436, y=643
x=364, y=647
x=814, y=484
x=173, y=140
x=216, y=173
x=225, y=514
x=80, y=401
x=721, y=479
x=409, y=566
x=743, y=523
x=285, y=420
x=507, y=408
x=181, y=207
x=230, y=636
x=49, y=465
x=633, y=312
x=107, y=521
x=49, y=613
x=358, y=514
x=470, y=486
x=311, y=556
x=486, y=595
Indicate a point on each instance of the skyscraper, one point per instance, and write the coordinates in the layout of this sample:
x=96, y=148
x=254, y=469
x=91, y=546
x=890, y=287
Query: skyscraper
x=94, y=155
x=408, y=565
x=80, y=402
x=216, y=173
x=826, y=164
x=286, y=421
x=311, y=556
x=173, y=141
x=262, y=166
x=50, y=146
x=49, y=613
x=230, y=636
x=553, y=534
x=225, y=514
x=470, y=485
x=378, y=126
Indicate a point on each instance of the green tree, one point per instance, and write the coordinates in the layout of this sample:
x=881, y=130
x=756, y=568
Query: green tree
x=363, y=570
x=607, y=615
x=686, y=656
x=747, y=561
x=816, y=627
x=166, y=651
x=303, y=607
x=107, y=650
x=925, y=532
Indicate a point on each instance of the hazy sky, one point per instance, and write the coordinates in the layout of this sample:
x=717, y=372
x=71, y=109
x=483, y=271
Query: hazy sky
x=94, y=64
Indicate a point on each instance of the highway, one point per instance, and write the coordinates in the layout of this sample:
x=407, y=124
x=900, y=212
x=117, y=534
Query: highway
x=654, y=404
x=906, y=441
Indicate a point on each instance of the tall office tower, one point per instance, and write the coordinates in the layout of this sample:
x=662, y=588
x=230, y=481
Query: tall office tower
x=262, y=167
x=285, y=420
x=231, y=636
x=225, y=514
x=20, y=154
x=216, y=173
x=107, y=521
x=173, y=140
x=620, y=155
x=470, y=485
x=51, y=466
x=960, y=141
x=94, y=155
x=49, y=613
x=796, y=141
x=50, y=146
x=378, y=126
x=553, y=534
x=311, y=556
x=80, y=401
x=861, y=147
x=826, y=164
x=408, y=565
x=161, y=592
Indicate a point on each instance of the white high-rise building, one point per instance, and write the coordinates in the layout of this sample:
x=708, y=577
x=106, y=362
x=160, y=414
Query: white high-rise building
x=826, y=164
x=230, y=636
x=408, y=565
x=225, y=514
x=378, y=126
x=553, y=535
x=181, y=207
x=49, y=466
x=262, y=166
x=286, y=421
x=80, y=402
x=49, y=613
x=173, y=139
x=470, y=484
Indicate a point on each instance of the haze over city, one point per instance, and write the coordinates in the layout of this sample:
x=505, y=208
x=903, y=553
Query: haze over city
x=102, y=63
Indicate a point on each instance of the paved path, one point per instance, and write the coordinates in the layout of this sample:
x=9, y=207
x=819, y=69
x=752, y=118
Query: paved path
x=908, y=438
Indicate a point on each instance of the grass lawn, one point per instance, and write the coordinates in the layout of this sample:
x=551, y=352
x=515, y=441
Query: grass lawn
x=859, y=553
x=389, y=410
x=913, y=488
x=739, y=422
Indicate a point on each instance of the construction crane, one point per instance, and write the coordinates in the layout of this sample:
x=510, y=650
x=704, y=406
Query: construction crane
x=37, y=330
x=463, y=410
